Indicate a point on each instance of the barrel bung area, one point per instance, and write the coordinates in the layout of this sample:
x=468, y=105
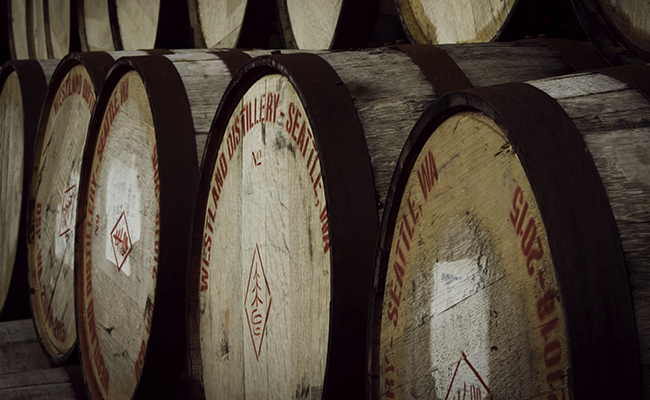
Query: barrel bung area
x=363, y=199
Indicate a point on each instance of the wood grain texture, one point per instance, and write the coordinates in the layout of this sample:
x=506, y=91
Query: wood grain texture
x=457, y=282
x=137, y=23
x=18, y=45
x=36, y=30
x=630, y=19
x=221, y=21
x=94, y=26
x=440, y=22
x=19, y=348
x=119, y=250
x=58, y=28
x=314, y=23
x=12, y=142
x=54, y=193
x=612, y=117
x=471, y=215
x=266, y=311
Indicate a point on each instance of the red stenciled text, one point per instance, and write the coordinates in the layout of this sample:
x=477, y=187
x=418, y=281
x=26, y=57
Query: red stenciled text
x=118, y=98
x=74, y=84
x=532, y=249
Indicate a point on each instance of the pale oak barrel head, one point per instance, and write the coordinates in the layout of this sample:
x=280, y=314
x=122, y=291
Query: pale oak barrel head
x=94, y=26
x=276, y=299
x=58, y=154
x=444, y=22
x=339, y=24
x=16, y=17
x=23, y=85
x=137, y=186
x=231, y=23
x=58, y=28
x=506, y=249
x=620, y=30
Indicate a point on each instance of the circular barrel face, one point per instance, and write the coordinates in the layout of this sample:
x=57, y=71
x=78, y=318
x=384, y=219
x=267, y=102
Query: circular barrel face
x=264, y=296
x=138, y=23
x=96, y=34
x=117, y=264
x=314, y=23
x=221, y=21
x=55, y=188
x=59, y=26
x=471, y=306
x=631, y=21
x=11, y=173
x=440, y=21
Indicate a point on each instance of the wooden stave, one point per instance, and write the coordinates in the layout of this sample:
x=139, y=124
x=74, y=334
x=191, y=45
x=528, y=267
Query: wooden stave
x=613, y=46
x=17, y=41
x=614, y=358
x=33, y=77
x=25, y=372
x=48, y=30
x=208, y=165
x=97, y=65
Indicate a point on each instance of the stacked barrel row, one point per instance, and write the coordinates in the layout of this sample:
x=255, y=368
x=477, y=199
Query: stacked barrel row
x=41, y=29
x=290, y=292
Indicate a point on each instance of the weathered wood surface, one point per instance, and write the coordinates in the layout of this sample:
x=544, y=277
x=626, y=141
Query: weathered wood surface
x=631, y=20
x=58, y=153
x=618, y=29
x=17, y=26
x=252, y=157
x=133, y=199
x=339, y=24
x=220, y=24
x=470, y=299
x=25, y=372
x=137, y=23
x=23, y=89
x=19, y=348
x=36, y=30
x=58, y=28
x=48, y=31
x=94, y=26
x=472, y=21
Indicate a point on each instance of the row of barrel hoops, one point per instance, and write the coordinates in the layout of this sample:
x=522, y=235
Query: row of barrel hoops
x=352, y=200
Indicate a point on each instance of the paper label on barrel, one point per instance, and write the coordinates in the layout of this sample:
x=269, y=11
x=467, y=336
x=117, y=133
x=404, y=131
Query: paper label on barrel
x=58, y=169
x=265, y=270
x=120, y=240
x=11, y=150
x=471, y=305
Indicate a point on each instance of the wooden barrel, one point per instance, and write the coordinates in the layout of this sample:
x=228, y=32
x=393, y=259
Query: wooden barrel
x=132, y=25
x=136, y=197
x=440, y=21
x=25, y=372
x=22, y=90
x=229, y=24
x=513, y=254
x=60, y=142
x=340, y=24
x=14, y=31
x=293, y=178
x=48, y=28
x=620, y=30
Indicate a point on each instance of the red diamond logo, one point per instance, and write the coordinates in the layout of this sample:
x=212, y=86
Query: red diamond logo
x=67, y=208
x=121, y=241
x=257, y=302
x=467, y=383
